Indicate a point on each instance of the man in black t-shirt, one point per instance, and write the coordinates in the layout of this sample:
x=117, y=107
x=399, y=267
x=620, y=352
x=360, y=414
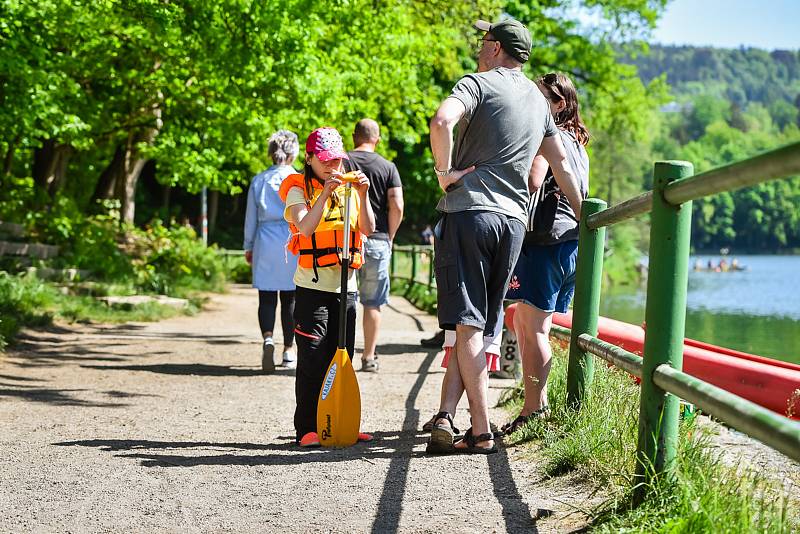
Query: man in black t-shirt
x=386, y=197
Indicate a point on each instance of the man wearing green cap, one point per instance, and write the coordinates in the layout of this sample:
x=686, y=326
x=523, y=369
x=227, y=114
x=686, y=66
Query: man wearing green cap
x=501, y=120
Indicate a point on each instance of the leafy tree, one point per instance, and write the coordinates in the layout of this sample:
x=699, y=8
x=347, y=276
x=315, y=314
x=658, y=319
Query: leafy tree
x=198, y=86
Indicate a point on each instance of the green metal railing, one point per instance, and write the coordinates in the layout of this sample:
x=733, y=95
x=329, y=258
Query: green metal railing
x=413, y=263
x=660, y=369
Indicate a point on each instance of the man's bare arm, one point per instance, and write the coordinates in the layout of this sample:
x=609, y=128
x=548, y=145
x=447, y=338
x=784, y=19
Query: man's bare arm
x=442, y=125
x=396, y=205
x=553, y=151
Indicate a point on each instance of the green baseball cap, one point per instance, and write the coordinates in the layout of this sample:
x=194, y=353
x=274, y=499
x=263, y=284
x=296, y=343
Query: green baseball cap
x=513, y=36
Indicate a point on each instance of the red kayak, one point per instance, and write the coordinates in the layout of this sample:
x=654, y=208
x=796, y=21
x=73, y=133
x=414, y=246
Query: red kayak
x=770, y=383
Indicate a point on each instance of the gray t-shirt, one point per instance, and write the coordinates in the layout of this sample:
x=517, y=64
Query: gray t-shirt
x=551, y=219
x=505, y=121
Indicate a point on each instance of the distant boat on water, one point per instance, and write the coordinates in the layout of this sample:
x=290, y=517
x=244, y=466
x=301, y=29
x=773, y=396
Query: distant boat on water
x=722, y=266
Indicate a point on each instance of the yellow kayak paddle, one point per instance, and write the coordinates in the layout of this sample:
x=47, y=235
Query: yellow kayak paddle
x=339, y=407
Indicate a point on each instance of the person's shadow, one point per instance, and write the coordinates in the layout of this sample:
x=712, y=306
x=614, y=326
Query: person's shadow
x=398, y=447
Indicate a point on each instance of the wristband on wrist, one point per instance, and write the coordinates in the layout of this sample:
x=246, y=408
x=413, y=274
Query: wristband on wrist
x=442, y=173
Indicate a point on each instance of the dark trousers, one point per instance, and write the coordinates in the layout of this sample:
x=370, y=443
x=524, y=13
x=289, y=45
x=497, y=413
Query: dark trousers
x=316, y=316
x=267, y=302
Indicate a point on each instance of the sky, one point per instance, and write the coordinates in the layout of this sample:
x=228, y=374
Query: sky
x=767, y=24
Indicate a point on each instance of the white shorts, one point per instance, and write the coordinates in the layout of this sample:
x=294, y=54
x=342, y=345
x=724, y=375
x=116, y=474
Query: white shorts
x=491, y=346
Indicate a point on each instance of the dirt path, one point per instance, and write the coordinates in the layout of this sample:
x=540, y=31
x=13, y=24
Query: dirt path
x=154, y=427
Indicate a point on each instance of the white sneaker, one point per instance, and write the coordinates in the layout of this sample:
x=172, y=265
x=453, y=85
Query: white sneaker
x=289, y=359
x=267, y=361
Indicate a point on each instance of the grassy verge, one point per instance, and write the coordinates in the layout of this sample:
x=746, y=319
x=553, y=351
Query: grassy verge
x=598, y=443
x=419, y=295
x=120, y=259
x=28, y=301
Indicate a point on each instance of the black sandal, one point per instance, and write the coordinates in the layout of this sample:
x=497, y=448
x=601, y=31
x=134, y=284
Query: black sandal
x=428, y=426
x=512, y=426
x=521, y=420
x=442, y=436
x=472, y=441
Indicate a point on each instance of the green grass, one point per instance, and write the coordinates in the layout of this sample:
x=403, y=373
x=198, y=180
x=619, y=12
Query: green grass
x=419, y=295
x=28, y=301
x=598, y=443
x=403, y=266
x=21, y=303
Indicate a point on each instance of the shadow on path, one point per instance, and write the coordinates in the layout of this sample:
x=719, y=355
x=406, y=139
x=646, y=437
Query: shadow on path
x=19, y=378
x=516, y=512
x=410, y=315
x=287, y=453
x=40, y=351
x=191, y=369
x=126, y=332
x=57, y=397
x=386, y=349
x=387, y=516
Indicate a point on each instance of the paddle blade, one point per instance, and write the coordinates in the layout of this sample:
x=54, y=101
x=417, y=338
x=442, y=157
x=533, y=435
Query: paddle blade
x=339, y=407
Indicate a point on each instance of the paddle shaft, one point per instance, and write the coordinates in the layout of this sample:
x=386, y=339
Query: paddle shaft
x=345, y=269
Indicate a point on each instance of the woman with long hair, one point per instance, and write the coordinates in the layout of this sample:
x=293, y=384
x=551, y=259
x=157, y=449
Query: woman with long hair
x=544, y=278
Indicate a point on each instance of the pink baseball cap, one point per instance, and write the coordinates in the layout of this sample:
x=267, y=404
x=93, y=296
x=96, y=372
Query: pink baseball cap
x=326, y=143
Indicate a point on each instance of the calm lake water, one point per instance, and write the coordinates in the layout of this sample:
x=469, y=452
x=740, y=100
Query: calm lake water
x=756, y=310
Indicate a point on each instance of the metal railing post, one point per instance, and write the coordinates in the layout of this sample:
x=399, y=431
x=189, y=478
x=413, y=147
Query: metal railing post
x=391, y=264
x=587, y=301
x=665, y=317
x=413, y=263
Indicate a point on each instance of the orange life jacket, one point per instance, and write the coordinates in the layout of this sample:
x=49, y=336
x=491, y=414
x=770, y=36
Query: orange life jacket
x=324, y=247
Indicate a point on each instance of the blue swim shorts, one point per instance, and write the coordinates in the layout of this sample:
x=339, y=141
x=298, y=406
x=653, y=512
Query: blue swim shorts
x=545, y=276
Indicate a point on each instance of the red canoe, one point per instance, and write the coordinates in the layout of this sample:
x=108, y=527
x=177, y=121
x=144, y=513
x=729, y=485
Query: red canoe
x=770, y=383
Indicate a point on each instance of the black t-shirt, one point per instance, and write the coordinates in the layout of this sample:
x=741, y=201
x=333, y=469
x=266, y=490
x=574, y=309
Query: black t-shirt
x=382, y=175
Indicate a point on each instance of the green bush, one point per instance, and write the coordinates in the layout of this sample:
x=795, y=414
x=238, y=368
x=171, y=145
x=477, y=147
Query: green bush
x=122, y=260
x=173, y=261
x=22, y=299
x=599, y=440
x=27, y=301
x=95, y=247
x=155, y=259
x=238, y=270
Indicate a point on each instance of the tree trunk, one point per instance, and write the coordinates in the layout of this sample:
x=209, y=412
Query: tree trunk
x=106, y=185
x=213, y=209
x=133, y=163
x=125, y=187
x=50, y=165
x=8, y=161
x=236, y=201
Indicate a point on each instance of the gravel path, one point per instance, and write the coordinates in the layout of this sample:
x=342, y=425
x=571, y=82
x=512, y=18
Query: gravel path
x=169, y=427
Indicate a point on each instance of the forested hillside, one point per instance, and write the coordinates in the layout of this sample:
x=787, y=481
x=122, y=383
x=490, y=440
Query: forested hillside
x=728, y=105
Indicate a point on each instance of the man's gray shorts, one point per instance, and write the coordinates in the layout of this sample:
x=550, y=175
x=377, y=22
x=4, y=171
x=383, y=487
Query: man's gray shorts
x=373, y=276
x=475, y=256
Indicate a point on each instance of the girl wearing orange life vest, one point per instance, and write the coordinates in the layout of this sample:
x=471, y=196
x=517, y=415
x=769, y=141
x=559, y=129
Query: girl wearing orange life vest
x=315, y=211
